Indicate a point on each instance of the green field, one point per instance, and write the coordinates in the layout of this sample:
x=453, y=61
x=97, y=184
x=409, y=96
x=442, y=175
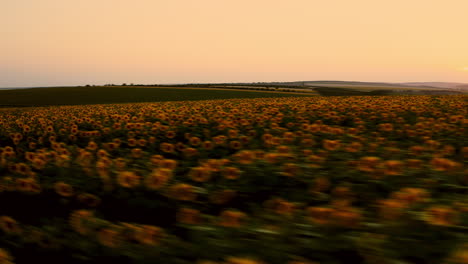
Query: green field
x=109, y=95
x=338, y=91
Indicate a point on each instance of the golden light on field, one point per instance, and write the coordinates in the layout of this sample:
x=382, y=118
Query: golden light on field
x=53, y=42
x=165, y=182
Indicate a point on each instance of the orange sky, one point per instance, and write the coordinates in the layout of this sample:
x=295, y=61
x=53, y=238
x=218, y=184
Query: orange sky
x=65, y=42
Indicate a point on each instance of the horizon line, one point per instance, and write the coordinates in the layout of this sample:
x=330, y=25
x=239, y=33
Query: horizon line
x=201, y=83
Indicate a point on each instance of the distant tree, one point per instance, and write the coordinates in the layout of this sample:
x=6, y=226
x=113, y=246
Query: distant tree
x=124, y=84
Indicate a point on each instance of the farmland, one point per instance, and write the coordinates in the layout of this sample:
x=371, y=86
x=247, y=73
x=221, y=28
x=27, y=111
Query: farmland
x=123, y=94
x=312, y=179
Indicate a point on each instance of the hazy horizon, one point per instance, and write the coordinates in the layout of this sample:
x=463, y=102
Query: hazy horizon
x=68, y=43
x=128, y=84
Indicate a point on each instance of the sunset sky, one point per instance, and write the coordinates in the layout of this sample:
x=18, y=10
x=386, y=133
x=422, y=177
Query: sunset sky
x=65, y=42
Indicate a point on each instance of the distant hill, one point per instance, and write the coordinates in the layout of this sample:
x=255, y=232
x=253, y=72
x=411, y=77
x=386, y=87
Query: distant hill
x=446, y=85
x=317, y=86
x=350, y=84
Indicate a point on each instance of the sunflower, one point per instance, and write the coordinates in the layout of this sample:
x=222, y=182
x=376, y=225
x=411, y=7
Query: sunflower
x=188, y=216
x=213, y=164
x=391, y=209
x=241, y=260
x=321, y=184
x=92, y=146
x=170, y=134
x=411, y=195
x=63, y=161
x=354, y=147
x=179, y=146
x=281, y=206
x=301, y=262
x=109, y=237
x=342, y=192
x=88, y=199
x=252, y=133
x=315, y=159
x=245, y=139
x=230, y=173
x=233, y=133
x=195, y=141
x=149, y=235
x=432, y=145
x=319, y=215
x=271, y=157
x=207, y=262
x=190, y=152
x=282, y=149
x=245, y=156
x=307, y=142
x=346, y=217
x=441, y=216
x=235, y=145
x=414, y=163
x=158, y=178
x=156, y=160
x=231, y=218
x=129, y=231
x=416, y=150
x=38, y=163
x=5, y=257
x=34, y=187
x=8, y=149
x=120, y=164
x=29, y=156
x=442, y=164
x=182, y=191
x=288, y=137
x=102, y=153
x=13, y=168
x=22, y=184
x=369, y=164
x=200, y=174
x=447, y=150
x=290, y=169
x=63, y=189
x=219, y=140
x=78, y=221
x=222, y=196
x=9, y=225
x=128, y=179
x=142, y=142
x=393, y=167
x=168, y=164
x=32, y=145
x=386, y=127
x=117, y=141
x=207, y=145
x=167, y=147
x=460, y=255
x=464, y=152
x=137, y=153
x=267, y=137
x=331, y=145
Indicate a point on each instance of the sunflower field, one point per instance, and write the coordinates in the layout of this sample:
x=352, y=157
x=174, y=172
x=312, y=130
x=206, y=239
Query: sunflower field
x=317, y=180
